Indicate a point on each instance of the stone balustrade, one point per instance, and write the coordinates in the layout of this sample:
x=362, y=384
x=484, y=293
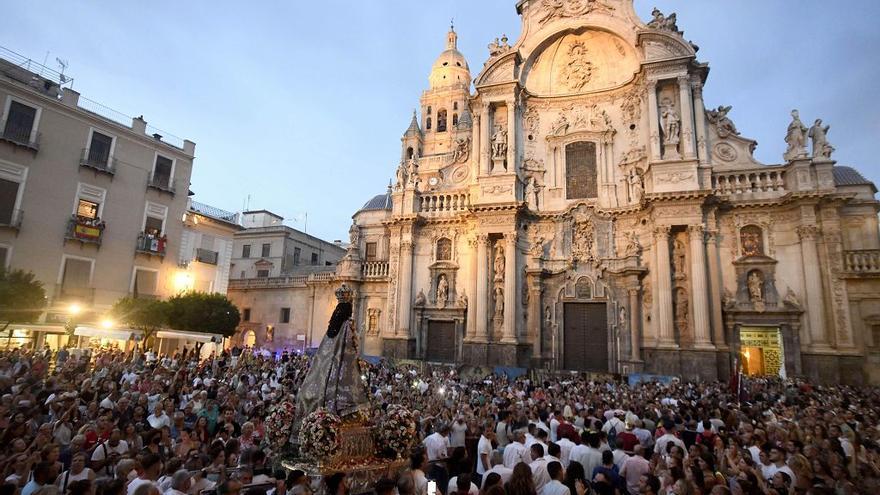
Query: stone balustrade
x=375, y=269
x=862, y=262
x=446, y=202
x=751, y=183
x=322, y=276
x=268, y=282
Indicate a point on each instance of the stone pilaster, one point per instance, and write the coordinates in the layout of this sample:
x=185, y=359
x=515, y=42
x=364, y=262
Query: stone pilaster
x=481, y=295
x=476, y=145
x=663, y=289
x=405, y=298
x=687, y=117
x=634, y=323
x=700, y=293
x=715, y=288
x=511, y=136
x=700, y=116
x=509, y=335
x=813, y=282
x=485, y=142
x=653, y=120
x=472, y=315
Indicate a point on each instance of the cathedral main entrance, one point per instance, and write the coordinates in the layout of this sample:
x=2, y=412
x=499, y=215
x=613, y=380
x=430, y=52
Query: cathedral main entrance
x=585, y=337
x=441, y=341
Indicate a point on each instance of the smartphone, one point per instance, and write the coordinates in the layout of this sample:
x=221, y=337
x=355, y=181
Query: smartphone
x=432, y=487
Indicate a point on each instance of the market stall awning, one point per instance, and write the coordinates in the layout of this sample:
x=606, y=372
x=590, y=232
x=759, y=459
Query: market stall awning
x=56, y=329
x=192, y=336
x=107, y=333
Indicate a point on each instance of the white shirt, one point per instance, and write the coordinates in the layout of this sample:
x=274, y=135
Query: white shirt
x=771, y=470
x=136, y=483
x=437, y=446
x=459, y=432
x=620, y=458
x=453, y=486
x=527, y=457
x=554, y=487
x=484, y=446
x=554, y=425
x=588, y=457
x=158, y=422
x=539, y=473
x=102, y=451
x=502, y=471
x=660, y=447
x=514, y=453
x=501, y=434
x=565, y=446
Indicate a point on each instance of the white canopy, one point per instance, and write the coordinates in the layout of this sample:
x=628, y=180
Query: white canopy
x=107, y=333
x=193, y=336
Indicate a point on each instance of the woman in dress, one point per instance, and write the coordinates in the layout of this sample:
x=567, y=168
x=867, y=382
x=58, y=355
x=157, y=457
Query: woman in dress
x=78, y=471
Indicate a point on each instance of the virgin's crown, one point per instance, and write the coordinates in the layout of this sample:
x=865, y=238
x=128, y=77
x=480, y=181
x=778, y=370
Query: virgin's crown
x=343, y=294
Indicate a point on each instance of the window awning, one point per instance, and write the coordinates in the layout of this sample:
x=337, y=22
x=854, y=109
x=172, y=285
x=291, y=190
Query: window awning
x=105, y=333
x=193, y=336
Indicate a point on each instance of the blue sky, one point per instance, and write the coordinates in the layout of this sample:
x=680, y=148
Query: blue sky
x=301, y=104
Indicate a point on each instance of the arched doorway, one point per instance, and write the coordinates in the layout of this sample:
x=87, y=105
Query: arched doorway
x=584, y=339
x=249, y=339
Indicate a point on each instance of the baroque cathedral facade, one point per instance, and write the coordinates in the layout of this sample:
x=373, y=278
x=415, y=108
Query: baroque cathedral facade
x=577, y=206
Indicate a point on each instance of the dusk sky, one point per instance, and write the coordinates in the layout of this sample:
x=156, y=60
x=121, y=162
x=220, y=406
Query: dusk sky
x=301, y=104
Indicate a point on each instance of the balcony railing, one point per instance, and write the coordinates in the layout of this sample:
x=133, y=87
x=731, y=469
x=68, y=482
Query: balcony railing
x=752, y=183
x=151, y=244
x=97, y=161
x=66, y=294
x=450, y=202
x=207, y=256
x=11, y=219
x=90, y=230
x=862, y=262
x=21, y=136
x=161, y=183
x=268, y=282
x=375, y=269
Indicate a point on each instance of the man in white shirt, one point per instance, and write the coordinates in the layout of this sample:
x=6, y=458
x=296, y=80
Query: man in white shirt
x=565, y=447
x=777, y=464
x=555, y=485
x=644, y=436
x=460, y=483
x=554, y=426
x=459, y=431
x=484, y=453
x=151, y=464
x=515, y=452
x=539, y=467
x=589, y=456
x=540, y=438
x=437, y=444
x=180, y=483
x=669, y=436
x=498, y=467
x=106, y=454
x=158, y=419
x=501, y=432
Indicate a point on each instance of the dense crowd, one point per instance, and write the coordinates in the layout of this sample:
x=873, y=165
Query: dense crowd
x=114, y=423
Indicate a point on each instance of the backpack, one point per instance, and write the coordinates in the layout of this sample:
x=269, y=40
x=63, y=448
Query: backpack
x=612, y=436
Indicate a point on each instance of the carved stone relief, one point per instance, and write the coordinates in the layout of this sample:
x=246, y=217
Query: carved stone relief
x=551, y=9
x=579, y=70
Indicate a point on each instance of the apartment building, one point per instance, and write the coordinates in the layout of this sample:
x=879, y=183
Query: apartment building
x=206, y=247
x=91, y=201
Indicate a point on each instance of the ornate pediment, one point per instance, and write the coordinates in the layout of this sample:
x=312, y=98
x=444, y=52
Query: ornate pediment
x=660, y=45
x=574, y=119
x=500, y=71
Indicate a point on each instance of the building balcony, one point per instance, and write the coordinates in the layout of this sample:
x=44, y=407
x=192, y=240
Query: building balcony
x=20, y=136
x=207, y=256
x=11, y=219
x=444, y=203
x=375, y=270
x=151, y=244
x=66, y=294
x=97, y=162
x=85, y=230
x=862, y=262
x=161, y=183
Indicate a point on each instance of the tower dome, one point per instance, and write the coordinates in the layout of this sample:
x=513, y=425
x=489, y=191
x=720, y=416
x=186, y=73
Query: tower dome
x=450, y=68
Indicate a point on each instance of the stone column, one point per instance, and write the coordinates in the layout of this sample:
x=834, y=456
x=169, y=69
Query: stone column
x=534, y=317
x=405, y=298
x=663, y=289
x=485, y=144
x=511, y=136
x=687, y=117
x=653, y=120
x=476, y=145
x=700, y=292
x=634, y=323
x=509, y=334
x=700, y=117
x=472, y=315
x=481, y=297
x=715, y=288
x=813, y=280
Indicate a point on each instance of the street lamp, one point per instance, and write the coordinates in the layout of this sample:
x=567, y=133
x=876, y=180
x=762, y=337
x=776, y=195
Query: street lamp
x=107, y=323
x=74, y=309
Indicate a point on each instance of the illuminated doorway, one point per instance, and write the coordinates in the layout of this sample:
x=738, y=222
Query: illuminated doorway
x=250, y=338
x=762, y=351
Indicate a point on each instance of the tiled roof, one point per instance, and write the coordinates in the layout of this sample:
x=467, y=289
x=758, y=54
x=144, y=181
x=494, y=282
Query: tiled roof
x=379, y=202
x=848, y=176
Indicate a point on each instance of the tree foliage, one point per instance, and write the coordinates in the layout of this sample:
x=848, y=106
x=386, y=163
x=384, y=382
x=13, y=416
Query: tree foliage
x=22, y=297
x=146, y=315
x=202, y=312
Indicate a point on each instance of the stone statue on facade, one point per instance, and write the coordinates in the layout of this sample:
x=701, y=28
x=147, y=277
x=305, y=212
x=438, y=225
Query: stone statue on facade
x=499, y=300
x=723, y=125
x=499, y=263
x=442, y=291
x=582, y=243
x=633, y=246
x=421, y=300
x=791, y=299
x=499, y=142
x=462, y=300
x=756, y=287
x=678, y=260
x=462, y=149
x=671, y=123
x=621, y=318
x=354, y=236
x=531, y=193
x=663, y=22
x=401, y=177
x=796, y=138
x=636, y=185
x=537, y=249
x=819, y=135
x=412, y=172
x=727, y=299
x=499, y=47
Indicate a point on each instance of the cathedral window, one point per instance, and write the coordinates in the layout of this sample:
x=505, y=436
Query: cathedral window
x=441, y=120
x=455, y=105
x=428, y=123
x=580, y=170
x=444, y=249
x=455, y=119
x=429, y=110
x=751, y=238
x=409, y=153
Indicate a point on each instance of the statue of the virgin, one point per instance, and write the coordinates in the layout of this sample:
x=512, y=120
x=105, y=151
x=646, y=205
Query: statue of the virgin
x=334, y=379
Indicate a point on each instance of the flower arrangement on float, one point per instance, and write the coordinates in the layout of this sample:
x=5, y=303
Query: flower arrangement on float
x=396, y=431
x=279, y=426
x=319, y=434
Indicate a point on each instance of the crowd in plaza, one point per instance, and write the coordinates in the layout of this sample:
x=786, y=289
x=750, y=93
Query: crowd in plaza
x=116, y=423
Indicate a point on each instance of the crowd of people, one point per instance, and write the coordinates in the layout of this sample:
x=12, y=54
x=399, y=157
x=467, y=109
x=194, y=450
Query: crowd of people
x=115, y=423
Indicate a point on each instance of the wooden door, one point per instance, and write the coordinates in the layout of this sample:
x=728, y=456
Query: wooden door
x=441, y=342
x=585, y=345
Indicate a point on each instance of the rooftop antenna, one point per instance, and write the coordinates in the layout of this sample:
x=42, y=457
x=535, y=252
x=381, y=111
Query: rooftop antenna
x=63, y=64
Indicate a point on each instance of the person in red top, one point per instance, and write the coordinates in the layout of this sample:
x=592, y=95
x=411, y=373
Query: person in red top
x=626, y=439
